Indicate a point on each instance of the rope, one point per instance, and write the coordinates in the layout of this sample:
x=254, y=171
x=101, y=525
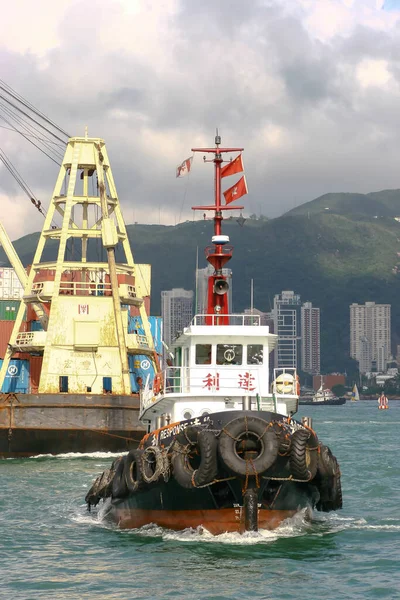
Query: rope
x=162, y=464
x=290, y=478
x=246, y=483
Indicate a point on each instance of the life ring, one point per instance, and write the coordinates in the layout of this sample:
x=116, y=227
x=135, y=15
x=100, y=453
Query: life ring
x=133, y=471
x=235, y=437
x=157, y=383
x=303, y=458
x=119, y=488
x=184, y=471
x=155, y=464
x=284, y=383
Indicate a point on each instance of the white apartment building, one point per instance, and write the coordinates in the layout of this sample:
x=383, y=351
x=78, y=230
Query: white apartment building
x=310, y=339
x=176, y=312
x=370, y=342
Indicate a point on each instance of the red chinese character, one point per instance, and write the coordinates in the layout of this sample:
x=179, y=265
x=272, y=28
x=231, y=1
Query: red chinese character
x=211, y=381
x=246, y=382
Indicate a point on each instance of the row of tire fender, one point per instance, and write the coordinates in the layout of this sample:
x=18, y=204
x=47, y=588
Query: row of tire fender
x=136, y=470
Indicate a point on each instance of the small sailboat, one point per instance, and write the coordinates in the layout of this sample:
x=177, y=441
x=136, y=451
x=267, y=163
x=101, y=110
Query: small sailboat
x=355, y=396
x=383, y=403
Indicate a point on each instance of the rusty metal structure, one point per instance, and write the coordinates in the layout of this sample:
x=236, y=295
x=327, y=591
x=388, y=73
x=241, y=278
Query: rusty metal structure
x=84, y=385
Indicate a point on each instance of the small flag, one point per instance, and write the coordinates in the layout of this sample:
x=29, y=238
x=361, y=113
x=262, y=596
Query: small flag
x=235, y=166
x=236, y=191
x=184, y=168
x=391, y=5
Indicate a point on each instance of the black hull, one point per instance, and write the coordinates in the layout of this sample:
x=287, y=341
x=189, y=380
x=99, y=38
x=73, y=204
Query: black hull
x=33, y=424
x=33, y=442
x=335, y=402
x=229, y=501
x=217, y=508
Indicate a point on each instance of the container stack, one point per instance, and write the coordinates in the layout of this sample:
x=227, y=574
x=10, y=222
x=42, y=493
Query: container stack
x=11, y=292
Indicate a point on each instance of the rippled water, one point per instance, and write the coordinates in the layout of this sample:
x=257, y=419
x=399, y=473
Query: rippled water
x=50, y=547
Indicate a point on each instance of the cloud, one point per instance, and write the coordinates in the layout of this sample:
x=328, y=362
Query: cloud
x=309, y=88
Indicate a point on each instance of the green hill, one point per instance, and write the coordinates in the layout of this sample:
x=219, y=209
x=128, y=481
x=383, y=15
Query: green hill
x=330, y=258
x=385, y=203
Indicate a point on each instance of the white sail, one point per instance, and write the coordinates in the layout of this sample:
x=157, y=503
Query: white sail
x=355, y=394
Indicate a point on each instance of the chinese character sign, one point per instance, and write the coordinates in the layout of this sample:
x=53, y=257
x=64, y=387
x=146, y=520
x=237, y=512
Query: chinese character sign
x=211, y=382
x=246, y=382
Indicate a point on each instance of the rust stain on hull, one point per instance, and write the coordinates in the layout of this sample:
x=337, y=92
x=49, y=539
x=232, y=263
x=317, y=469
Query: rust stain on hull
x=215, y=521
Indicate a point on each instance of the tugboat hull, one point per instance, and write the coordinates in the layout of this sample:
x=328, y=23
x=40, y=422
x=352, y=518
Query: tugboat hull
x=331, y=402
x=226, y=520
x=243, y=489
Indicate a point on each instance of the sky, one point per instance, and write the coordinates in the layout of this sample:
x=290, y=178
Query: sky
x=309, y=88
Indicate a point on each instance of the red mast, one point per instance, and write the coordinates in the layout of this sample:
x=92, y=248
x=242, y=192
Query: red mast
x=220, y=252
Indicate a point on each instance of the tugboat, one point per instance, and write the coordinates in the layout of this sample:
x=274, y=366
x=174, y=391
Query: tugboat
x=322, y=397
x=223, y=451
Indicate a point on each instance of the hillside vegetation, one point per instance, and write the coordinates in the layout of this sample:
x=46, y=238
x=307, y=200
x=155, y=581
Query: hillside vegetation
x=331, y=258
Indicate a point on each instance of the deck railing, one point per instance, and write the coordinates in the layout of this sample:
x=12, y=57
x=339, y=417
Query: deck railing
x=237, y=320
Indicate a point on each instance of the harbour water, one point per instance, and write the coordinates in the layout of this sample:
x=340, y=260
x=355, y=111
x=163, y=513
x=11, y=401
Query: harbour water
x=52, y=548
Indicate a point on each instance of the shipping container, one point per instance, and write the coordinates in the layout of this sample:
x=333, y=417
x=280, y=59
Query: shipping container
x=141, y=370
x=35, y=368
x=35, y=326
x=9, y=309
x=134, y=311
x=6, y=328
x=17, y=377
x=135, y=325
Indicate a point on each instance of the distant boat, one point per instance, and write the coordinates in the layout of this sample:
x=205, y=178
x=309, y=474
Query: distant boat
x=355, y=396
x=323, y=397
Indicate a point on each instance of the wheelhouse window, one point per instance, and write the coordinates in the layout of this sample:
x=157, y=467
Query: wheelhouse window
x=254, y=354
x=203, y=354
x=229, y=354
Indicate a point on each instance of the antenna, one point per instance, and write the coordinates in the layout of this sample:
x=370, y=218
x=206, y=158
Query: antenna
x=197, y=280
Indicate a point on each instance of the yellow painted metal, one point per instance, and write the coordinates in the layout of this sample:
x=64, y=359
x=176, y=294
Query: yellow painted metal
x=87, y=337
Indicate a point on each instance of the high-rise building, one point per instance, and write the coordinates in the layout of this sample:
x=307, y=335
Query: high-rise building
x=310, y=339
x=370, y=335
x=287, y=314
x=202, y=276
x=176, y=312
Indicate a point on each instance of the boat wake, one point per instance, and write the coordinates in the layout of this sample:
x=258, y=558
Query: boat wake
x=319, y=524
x=75, y=455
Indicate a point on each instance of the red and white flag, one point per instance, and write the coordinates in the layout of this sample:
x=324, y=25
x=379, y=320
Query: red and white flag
x=184, y=168
x=235, y=166
x=236, y=191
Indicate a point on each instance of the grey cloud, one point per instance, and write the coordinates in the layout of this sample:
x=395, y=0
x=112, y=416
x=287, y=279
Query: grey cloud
x=241, y=66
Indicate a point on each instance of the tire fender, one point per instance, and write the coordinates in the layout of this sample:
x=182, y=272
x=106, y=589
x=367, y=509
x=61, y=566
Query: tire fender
x=236, y=432
x=303, y=458
x=206, y=444
x=133, y=474
x=118, y=486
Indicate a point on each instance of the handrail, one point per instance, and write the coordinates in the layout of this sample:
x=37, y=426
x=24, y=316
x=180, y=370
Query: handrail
x=237, y=320
x=84, y=288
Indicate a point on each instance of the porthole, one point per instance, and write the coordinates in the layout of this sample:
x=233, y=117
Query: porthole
x=205, y=412
x=188, y=414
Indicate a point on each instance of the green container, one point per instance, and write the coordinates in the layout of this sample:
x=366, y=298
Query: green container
x=9, y=309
